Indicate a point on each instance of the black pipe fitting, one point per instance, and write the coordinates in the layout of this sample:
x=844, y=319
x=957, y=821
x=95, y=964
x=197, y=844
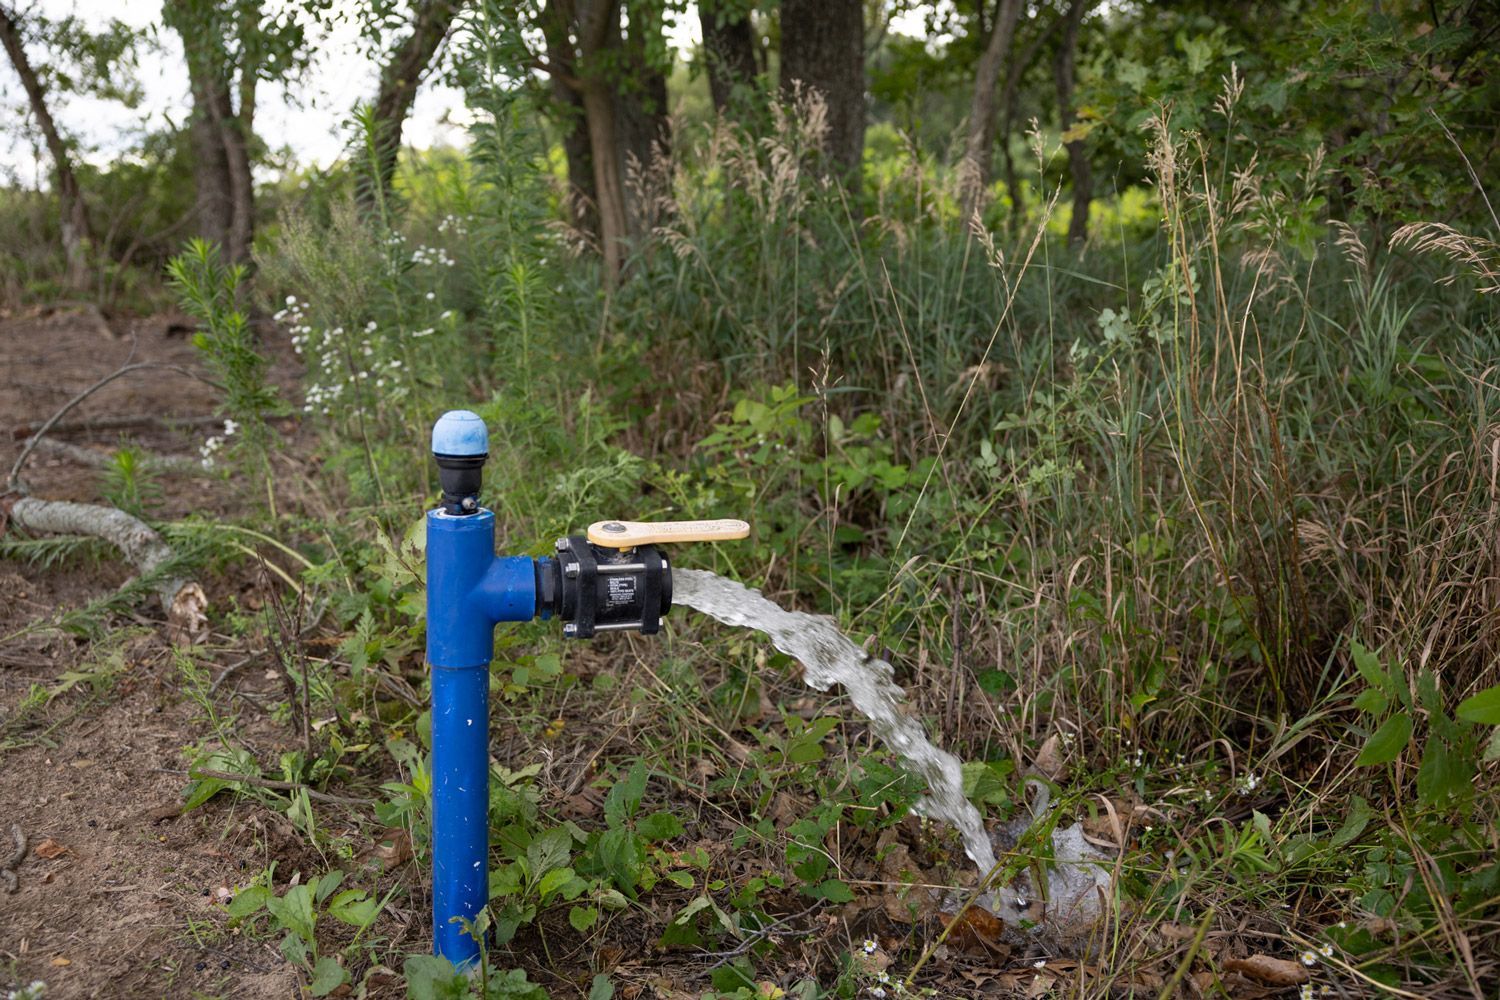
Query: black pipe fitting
x=595, y=589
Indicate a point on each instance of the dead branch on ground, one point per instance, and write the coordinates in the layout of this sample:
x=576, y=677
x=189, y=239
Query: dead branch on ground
x=183, y=600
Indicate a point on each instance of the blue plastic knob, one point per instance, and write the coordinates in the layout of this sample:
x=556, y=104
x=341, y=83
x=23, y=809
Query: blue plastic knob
x=460, y=433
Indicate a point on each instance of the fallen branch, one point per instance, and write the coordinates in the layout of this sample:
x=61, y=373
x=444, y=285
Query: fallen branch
x=101, y=460
x=183, y=600
x=92, y=425
x=7, y=870
x=13, y=481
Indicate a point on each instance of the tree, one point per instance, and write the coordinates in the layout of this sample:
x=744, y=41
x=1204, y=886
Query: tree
x=231, y=46
x=1078, y=160
x=728, y=48
x=979, y=147
x=615, y=73
x=73, y=213
x=567, y=103
x=402, y=73
x=823, y=48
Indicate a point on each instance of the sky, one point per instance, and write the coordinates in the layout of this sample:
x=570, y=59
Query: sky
x=313, y=128
x=340, y=78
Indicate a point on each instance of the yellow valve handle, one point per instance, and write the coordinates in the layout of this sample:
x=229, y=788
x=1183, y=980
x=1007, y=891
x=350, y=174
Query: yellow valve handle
x=627, y=534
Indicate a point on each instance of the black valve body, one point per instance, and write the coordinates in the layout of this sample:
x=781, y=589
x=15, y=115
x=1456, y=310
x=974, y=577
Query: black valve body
x=596, y=589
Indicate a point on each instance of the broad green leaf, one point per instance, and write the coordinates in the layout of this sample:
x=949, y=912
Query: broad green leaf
x=549, y=850
x=1428, y=695
x=553, y=880
x=328, y=976
x=660, y=826
x=1387, y=742
x=625, y=795
x=683, y=880
x=621, y=853
x=834, y=891
x=996, y=682
x=1367, y=663
x=294, y=911
x=1442, y=773
x=294, y=949
x=432, y=977
x=354, y=908
x=1483, y=708
x=583, y=917
x=203, y=790
x=1372, y=701
x=248, y=901
x=1359, y=818
x=327, y=884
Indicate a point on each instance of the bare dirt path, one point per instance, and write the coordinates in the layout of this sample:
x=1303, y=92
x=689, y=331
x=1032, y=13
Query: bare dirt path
x=113, y=884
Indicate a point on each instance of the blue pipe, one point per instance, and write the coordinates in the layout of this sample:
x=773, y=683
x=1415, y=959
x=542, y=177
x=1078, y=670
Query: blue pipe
x=469, y=590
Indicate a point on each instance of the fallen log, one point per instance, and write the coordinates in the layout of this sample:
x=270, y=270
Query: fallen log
x=183, y=600
x=97, y=424
x=102, y=460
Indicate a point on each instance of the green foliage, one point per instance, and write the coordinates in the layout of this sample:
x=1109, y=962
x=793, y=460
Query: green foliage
x=299, y=912
x=430, y=977
x=210, y=291
x=129, y=484
x=1450, y=752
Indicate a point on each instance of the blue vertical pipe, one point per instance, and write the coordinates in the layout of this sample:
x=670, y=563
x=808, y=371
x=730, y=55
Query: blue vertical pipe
x=469, y=590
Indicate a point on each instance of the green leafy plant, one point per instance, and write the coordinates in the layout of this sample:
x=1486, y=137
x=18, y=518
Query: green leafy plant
x=1449, y=751
x=211, y=292
x=298, y=913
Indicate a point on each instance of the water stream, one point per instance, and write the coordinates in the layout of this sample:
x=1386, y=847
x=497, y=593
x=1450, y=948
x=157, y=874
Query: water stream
x=828, y=657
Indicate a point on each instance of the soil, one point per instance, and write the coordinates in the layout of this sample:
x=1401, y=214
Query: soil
x=115, y=888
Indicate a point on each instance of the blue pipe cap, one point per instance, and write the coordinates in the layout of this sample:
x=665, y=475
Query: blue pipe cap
x=460, y=433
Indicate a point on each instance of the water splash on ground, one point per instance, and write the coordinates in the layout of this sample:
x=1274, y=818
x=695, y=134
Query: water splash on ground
x=1077, y=883
x=828, y=658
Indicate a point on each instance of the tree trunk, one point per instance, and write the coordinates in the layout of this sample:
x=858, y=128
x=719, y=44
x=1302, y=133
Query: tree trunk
x=233, y=134
x=823, y=48
x=1078, y=161
x=560, y=56
x=728, y=49
x=214, y=198
x=974, y=170
x=399, y=79
x=221, y=135
x=642, y=126
x=599, y=110
x=73, y=217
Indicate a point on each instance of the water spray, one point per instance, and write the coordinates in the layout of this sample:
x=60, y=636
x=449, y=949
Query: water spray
x=612, y=579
